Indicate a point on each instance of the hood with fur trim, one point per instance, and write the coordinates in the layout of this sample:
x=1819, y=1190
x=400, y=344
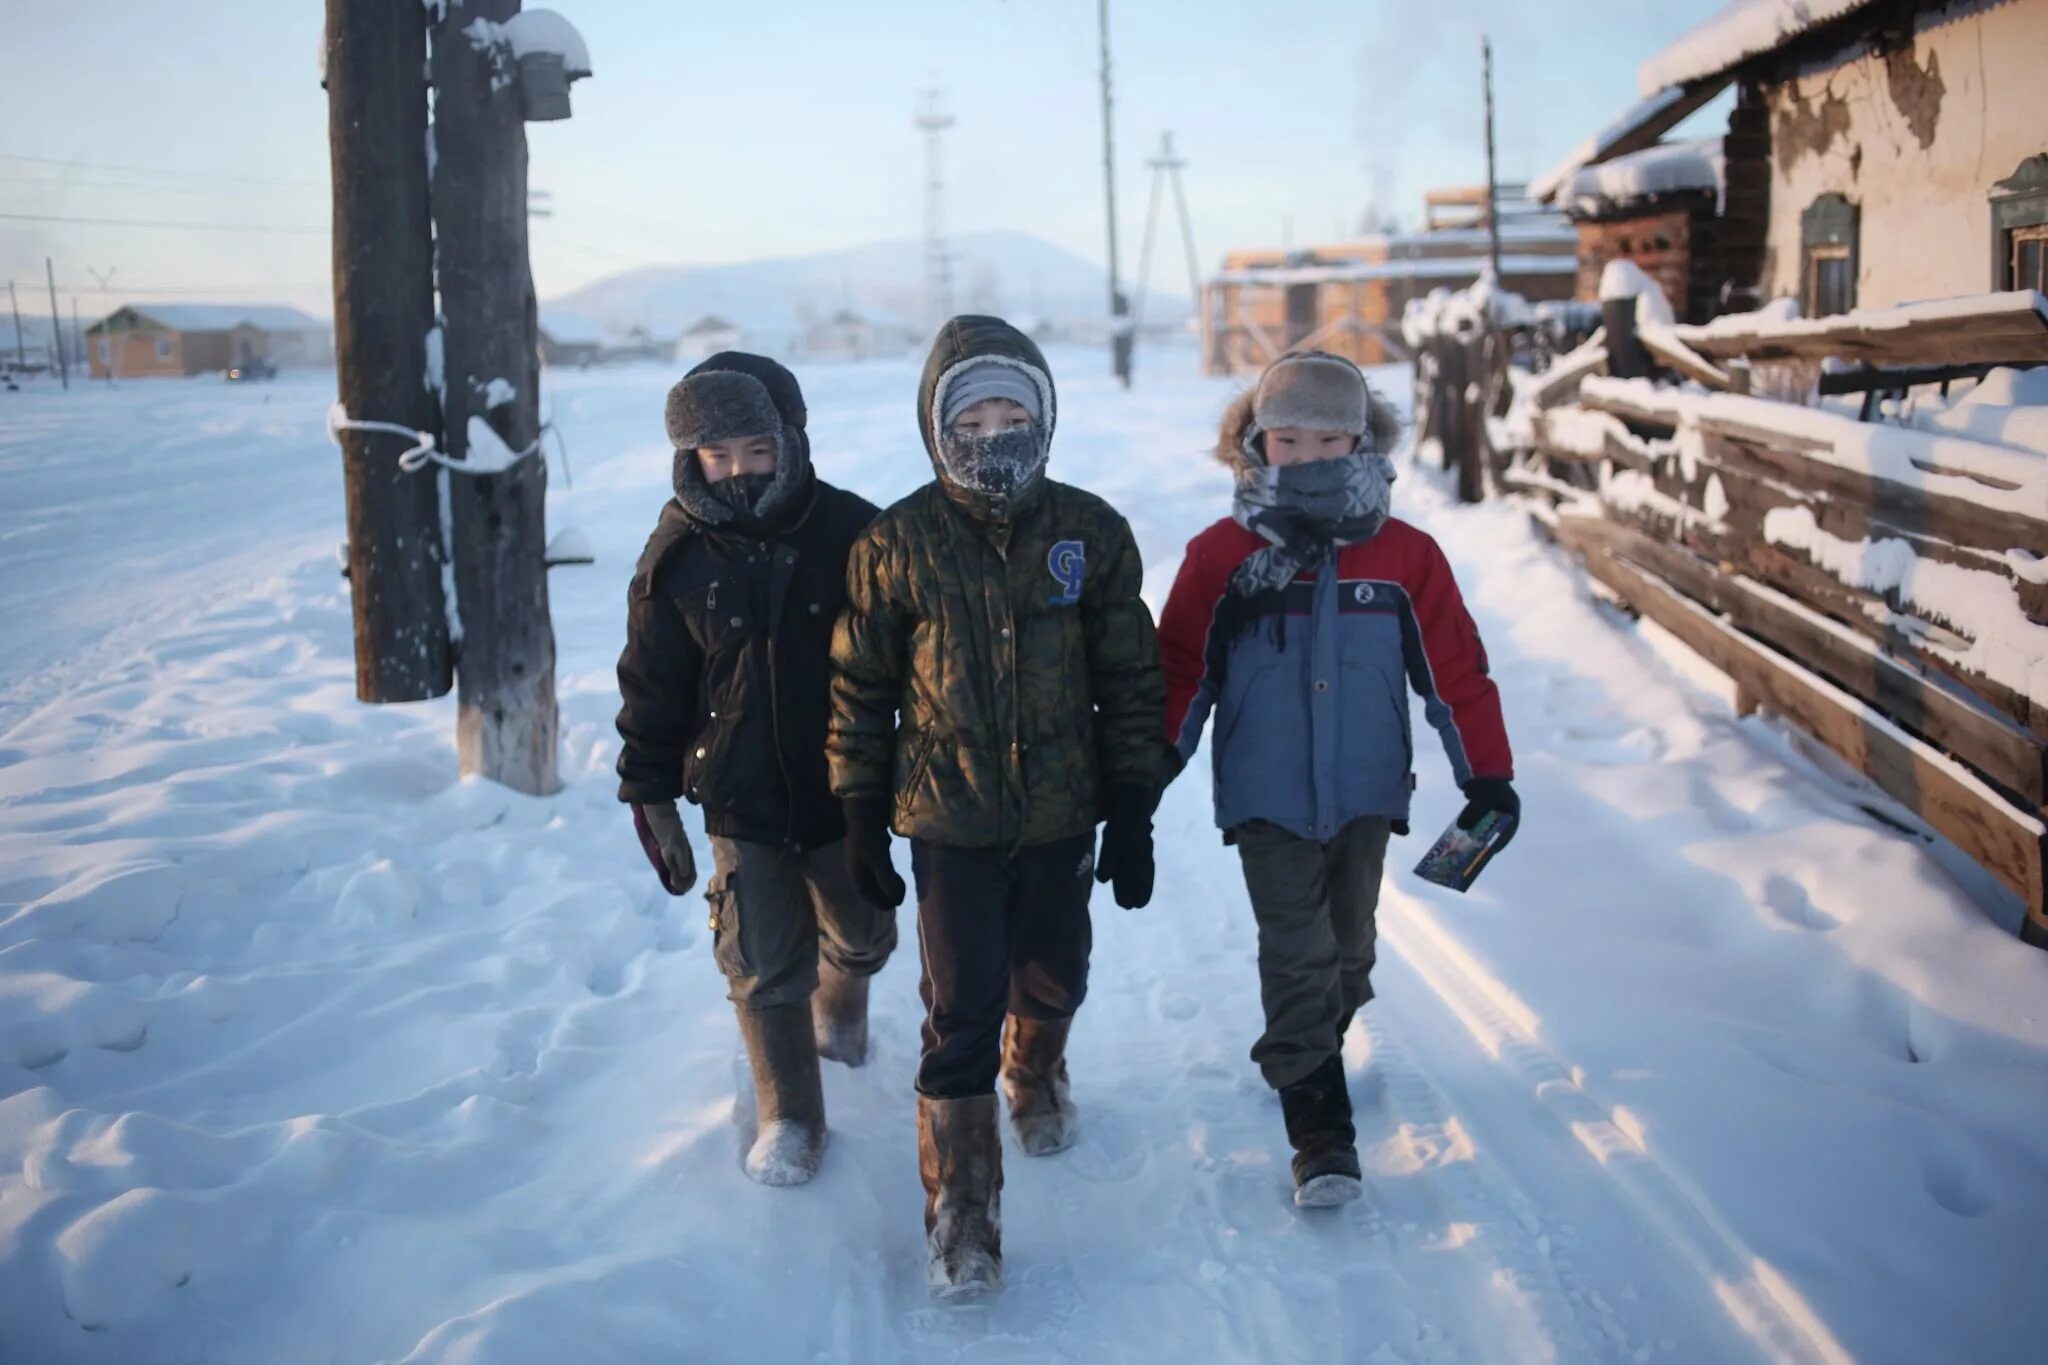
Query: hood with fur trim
x=1383, y=424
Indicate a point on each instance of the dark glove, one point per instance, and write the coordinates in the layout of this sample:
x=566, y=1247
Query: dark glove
x=1126, y=857
x=660, y=828
x=867, y=852
x=1485, y=794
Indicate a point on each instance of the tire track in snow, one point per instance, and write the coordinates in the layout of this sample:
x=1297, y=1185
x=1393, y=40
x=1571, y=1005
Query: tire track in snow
x=1484, y=1215
x=1756, y=1298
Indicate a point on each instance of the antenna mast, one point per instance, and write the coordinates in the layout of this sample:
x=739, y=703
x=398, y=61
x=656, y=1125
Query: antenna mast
x=933, y=119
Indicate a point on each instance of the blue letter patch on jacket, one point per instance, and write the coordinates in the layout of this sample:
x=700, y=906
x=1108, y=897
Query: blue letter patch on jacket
x=1068, y=560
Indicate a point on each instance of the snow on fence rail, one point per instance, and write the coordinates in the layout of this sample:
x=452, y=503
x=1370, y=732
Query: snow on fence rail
x=1881, y=584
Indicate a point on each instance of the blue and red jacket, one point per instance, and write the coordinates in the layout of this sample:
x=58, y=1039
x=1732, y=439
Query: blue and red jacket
x=1309, y=685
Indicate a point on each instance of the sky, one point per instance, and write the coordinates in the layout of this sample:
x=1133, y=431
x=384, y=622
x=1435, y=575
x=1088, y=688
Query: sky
x=724, y=132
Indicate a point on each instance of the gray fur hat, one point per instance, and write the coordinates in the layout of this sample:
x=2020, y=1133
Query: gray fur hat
x=720, y=405
x=1314, y=390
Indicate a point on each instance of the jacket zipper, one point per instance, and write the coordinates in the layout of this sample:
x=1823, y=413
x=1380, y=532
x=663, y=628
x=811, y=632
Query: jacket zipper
x=1016, y=749
x=775, y=706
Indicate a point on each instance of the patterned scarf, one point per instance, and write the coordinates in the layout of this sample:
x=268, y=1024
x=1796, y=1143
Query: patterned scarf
x=1306, y=512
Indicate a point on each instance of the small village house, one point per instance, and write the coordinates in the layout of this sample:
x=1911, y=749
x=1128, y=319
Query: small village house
x=706, y=337
x=1879, y=152
x=851, y=335
x=1348, y=297
x=1661, y=209
x=145, y=340
x=569, y=338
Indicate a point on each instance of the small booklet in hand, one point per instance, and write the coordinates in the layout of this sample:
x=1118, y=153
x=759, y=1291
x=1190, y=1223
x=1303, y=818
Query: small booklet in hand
x=1456, y=859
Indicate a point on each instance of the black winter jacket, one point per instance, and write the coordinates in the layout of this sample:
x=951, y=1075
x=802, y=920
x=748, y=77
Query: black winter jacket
x=726, y=671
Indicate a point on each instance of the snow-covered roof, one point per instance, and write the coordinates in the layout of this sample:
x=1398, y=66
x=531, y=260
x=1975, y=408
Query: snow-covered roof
x=1669, y=167
x=1419, y=268
x=1624, y=126
x=706, y=325
x=224, y=317
x=567, y=327
x=1739, y=32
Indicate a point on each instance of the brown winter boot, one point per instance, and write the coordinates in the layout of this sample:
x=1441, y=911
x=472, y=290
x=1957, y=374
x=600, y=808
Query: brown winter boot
x=1035, y=1083
x=839, y=1014
x=789, y=1098
x=960, y=1158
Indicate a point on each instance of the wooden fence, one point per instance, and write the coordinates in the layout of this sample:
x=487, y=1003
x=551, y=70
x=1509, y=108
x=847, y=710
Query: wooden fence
x=1883, y=587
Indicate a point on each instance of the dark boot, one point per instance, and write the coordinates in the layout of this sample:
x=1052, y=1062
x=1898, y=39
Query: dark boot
x=839, y=1015
x=960, y=1158
x=1318, y=1113
x=1035, y=1083
x=789, y=1099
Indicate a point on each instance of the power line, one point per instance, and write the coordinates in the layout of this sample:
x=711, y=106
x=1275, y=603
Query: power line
x=159, y=223
x=159, y=170
x=134, y=289
x=145, y=187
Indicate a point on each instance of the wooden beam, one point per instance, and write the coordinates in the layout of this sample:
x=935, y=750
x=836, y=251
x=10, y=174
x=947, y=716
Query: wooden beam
x=2013, y=758
x=2006, y=840
x=383, y=310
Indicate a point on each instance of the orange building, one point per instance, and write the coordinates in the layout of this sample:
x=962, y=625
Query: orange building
x=151, y=340
x=1347, y=297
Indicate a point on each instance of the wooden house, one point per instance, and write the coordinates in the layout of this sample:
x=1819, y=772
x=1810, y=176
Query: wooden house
x=145, y=340
x=569, y=338
x=706, y=337
x=1348, y=297
x=1878, y=152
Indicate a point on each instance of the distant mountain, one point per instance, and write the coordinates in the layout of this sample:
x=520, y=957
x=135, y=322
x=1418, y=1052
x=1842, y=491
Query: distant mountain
x=1013, y=274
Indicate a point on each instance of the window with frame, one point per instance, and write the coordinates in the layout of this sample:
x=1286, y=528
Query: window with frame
x=1828, y=233
x=163, y=348
x=2029, y=261
x=2019, y=227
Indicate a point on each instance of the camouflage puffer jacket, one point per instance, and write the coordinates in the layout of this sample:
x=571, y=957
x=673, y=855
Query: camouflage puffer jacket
x=994, y=677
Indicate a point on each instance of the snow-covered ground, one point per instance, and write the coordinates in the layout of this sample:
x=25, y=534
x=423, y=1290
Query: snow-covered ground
x=310, y=1052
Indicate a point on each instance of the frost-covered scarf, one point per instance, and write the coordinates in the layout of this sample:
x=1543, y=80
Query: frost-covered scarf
x=993, y=474
x=1306, y=511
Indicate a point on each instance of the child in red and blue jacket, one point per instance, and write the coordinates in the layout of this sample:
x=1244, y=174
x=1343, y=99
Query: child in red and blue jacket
x=1301, y=620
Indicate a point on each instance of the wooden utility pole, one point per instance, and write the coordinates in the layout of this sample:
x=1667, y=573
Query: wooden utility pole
x=1492, y=184
x=1120, y=338
x=20, y=355
x=56, y=327
x=383, y=310
x=506, y=727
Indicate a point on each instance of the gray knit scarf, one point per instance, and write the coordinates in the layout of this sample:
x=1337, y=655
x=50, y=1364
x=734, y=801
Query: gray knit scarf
x=1305, y=512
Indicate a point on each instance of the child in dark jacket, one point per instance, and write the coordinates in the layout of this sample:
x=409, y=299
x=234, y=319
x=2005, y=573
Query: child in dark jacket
x=995, y=696
x=725, y=684
x=1301, y=620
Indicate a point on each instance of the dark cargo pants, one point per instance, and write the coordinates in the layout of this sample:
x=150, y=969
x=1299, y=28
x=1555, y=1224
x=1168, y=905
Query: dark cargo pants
x=997, y=935
x=1315, y=904
x=775, y=912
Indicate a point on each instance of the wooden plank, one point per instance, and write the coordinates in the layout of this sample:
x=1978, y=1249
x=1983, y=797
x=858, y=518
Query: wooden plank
x=2010, y=328
x=1866, y=613
x=1662, y=343
x=1771, y=454
x=1563, y=378
x=2013, y=758
x=2005, y=840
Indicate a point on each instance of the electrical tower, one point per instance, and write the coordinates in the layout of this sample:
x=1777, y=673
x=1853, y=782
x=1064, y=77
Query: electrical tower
x=933, y=120
x=1166, y=168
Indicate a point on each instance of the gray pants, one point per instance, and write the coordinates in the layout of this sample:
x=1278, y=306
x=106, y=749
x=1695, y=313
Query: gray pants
x=775, y=912
x=1315, y=904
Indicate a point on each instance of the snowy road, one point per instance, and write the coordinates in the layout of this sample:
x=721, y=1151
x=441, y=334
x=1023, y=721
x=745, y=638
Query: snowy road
x=309, y=1052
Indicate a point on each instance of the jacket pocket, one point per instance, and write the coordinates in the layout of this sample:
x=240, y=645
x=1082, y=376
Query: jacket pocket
x=914, y=771
x=1374, y=749
x=722, y=901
